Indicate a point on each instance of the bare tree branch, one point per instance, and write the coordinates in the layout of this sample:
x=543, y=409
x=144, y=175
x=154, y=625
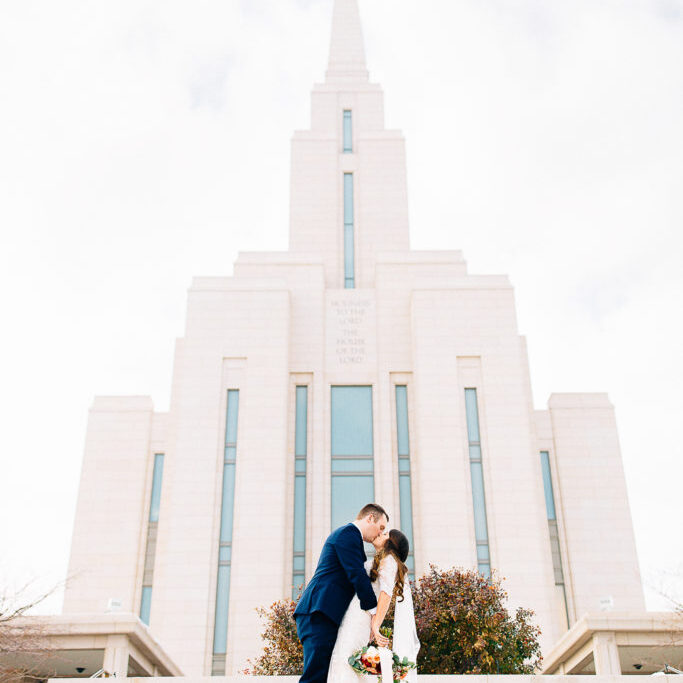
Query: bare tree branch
x=25, y=649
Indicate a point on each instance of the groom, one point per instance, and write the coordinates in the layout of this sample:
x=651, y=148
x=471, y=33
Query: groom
x=340, y=574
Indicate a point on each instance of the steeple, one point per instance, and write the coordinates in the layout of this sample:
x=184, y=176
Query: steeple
x=349, y=199
x=347, y=52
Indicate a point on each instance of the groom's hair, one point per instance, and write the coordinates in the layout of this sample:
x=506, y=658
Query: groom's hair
x=372, y=509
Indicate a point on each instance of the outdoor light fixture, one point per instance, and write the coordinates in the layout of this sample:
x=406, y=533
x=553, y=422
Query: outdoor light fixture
x=667, y=670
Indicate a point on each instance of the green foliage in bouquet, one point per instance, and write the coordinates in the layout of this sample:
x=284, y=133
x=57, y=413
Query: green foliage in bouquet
x=465, y=628
x=367, y=661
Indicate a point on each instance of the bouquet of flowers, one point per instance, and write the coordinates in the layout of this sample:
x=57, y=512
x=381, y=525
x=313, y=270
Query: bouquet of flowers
x=367, y=661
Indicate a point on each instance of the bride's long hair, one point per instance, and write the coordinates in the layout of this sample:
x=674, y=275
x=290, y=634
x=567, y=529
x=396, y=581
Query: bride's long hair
x=397, y=545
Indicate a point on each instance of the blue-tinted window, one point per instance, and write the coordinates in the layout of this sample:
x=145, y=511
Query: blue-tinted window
x=548, y=485
x=300, y=454
x=220, y=634
x=231, y=423
x=301, y=436
x=352, y=421
x=156, y=487
x=404, y=483
x=553, y=528
x=348, y=132
x=299, y=563
x=300, y=514
x=406, y=504
x=146, y=604
x=150, y=547
x=298, y=584
x=402, y=420
x=227, y=506
x=349, y=265
x=480, y=525
x=353, y=483
x=477, y=479
x=349, y=495
x=472, y=416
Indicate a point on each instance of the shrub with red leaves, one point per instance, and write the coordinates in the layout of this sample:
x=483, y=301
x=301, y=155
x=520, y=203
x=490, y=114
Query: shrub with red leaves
x=283, y=654
x=464, y=627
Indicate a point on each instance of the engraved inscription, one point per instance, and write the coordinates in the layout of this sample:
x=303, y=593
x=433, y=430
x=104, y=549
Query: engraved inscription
x=351, y=326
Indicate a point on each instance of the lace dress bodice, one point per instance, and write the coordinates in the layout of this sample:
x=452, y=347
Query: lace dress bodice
x=354, y=630
x=386, y=575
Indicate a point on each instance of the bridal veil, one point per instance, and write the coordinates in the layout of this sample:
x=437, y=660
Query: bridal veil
x=406, y=642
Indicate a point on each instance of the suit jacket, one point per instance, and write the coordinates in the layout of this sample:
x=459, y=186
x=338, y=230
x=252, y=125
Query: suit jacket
x=340, y=573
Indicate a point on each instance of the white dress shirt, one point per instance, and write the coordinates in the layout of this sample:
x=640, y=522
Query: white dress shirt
x=374, y=609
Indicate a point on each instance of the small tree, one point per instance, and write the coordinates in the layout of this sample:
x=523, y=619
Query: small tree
x=461, y=621
x=283, y=654
x=465, y=628
x=23, y=642
x=668, y=584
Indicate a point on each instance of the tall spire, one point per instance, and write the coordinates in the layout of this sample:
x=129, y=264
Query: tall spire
x=347, y=53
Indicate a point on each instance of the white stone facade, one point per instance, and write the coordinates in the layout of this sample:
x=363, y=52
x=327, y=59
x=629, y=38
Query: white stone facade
x=285, y=319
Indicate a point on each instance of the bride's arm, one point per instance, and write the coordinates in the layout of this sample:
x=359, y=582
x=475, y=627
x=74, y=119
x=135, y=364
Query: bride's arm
x=387, y=577
x=378, y=618
x=383, y=603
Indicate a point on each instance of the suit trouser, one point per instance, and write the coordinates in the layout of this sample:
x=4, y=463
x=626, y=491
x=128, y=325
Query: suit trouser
x=318, y=634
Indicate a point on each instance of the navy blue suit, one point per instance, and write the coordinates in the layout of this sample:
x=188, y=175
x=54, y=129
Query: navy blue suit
x=339, y=575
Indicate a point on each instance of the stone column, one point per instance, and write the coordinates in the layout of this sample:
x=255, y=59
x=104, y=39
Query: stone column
x=116, y=653
x=606, y=654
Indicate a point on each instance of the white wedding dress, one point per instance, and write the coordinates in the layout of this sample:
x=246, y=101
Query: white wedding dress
x=354, y=630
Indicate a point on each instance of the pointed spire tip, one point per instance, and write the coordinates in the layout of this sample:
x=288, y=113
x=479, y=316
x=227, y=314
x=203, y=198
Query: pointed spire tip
x=347, y=50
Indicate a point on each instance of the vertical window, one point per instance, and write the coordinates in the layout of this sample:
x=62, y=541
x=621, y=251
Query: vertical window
x=349, y=268
x=553, y=528
x=220, y=633
x=151, y=546
x=353, y=483
x=300, y=455
x=348, y=132
x=477, y=476
x=146, y=603
x=404, y=486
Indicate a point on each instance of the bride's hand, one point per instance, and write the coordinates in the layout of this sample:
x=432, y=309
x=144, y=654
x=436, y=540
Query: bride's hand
x=376, y=635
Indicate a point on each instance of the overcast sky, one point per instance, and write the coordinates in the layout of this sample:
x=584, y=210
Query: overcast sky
x=146, y=142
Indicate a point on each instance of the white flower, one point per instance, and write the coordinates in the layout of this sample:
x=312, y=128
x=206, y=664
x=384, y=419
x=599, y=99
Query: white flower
x=372, y=651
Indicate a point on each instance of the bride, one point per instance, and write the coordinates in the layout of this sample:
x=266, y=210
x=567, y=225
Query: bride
x=388, y=574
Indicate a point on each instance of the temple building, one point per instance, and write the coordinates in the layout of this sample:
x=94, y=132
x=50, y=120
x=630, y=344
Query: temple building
x=345, y=370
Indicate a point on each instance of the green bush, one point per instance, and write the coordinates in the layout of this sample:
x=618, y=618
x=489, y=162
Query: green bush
x=465, y=628
x=461, y=621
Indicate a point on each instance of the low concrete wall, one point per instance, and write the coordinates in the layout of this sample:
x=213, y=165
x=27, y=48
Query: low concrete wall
x=423, y=679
